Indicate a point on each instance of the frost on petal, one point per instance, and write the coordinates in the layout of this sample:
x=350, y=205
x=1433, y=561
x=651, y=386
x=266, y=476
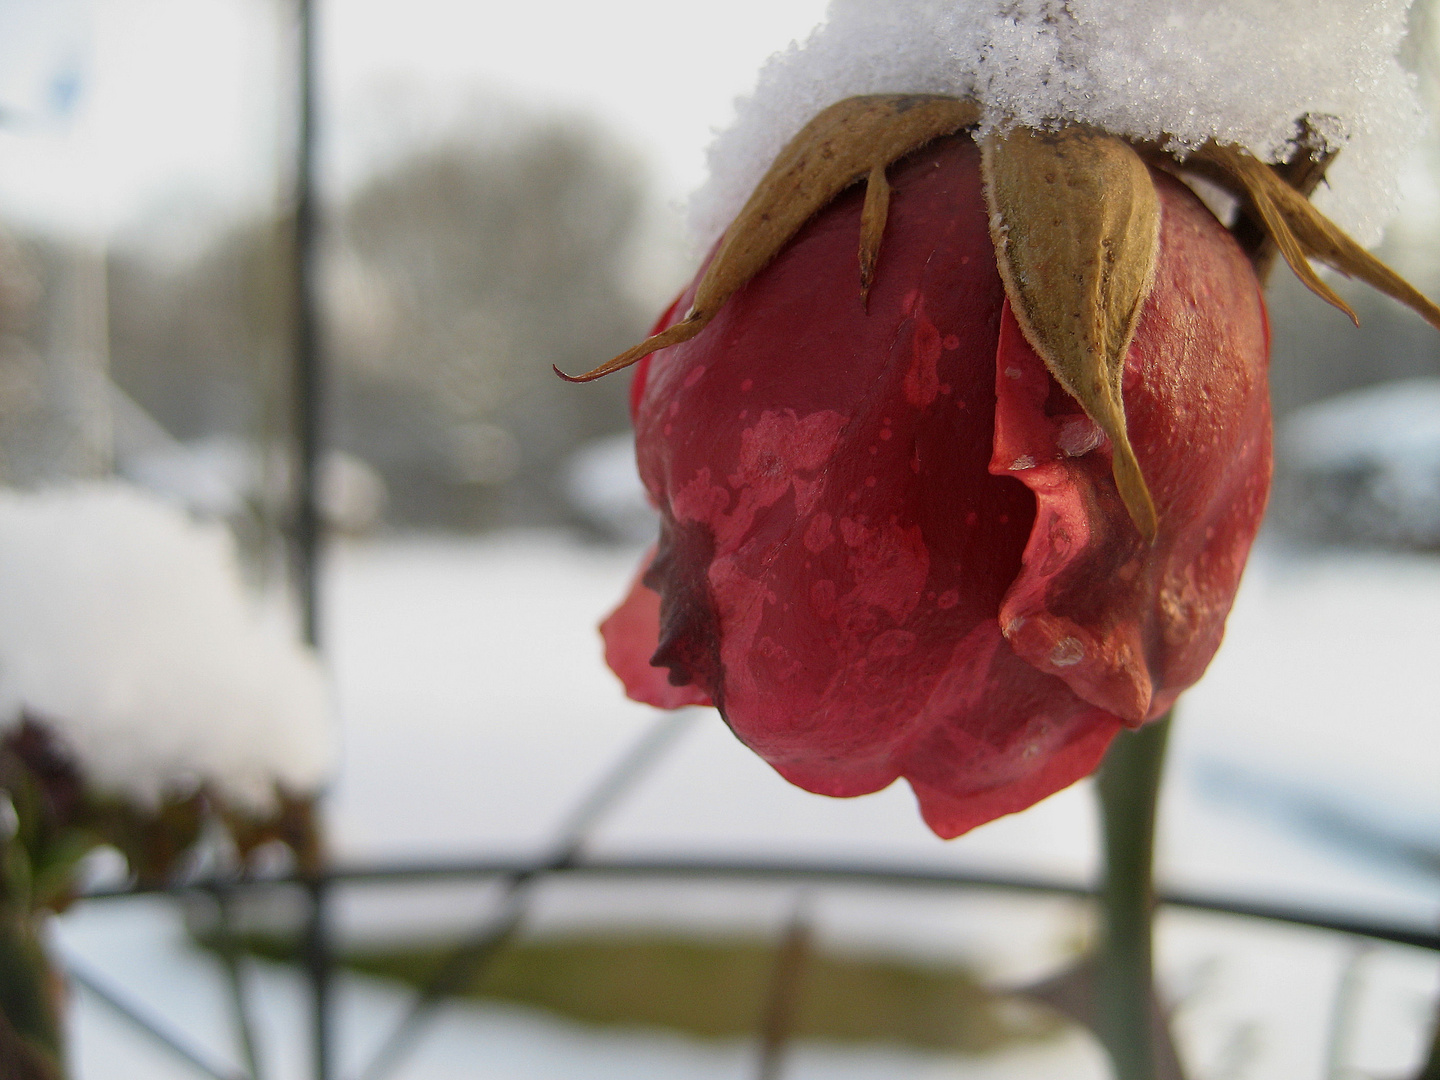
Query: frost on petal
x=1128, y=625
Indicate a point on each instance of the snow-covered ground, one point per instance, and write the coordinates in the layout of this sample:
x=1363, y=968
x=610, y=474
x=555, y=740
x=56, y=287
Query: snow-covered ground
x=141, y=948
x=476, y=709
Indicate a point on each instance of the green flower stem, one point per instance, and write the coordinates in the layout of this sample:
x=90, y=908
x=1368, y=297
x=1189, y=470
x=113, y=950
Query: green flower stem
x=1430, y=1070
x=1129, y=786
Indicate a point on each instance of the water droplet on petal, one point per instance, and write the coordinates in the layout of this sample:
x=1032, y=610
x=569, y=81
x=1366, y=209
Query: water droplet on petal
x=1068, y=652
x=1079, y=435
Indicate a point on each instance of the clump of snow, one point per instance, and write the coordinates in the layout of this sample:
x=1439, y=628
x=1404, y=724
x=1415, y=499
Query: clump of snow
x=1239, y=71
x=125, y=626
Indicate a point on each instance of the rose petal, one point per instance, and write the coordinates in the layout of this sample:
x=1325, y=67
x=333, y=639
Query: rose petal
x=631, y=634
x=1129, y=625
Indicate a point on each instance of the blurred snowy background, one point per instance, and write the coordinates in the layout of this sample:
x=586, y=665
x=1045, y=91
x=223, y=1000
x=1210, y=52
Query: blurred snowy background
x=503, y=189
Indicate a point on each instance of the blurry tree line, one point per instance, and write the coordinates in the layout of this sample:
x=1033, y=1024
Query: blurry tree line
x=453, y=281
x=463, y=275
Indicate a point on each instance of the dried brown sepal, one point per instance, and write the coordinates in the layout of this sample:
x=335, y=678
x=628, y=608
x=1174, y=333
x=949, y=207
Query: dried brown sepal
x=1305, y=168
x=291, y=820
x=1076, y=225
x=872, y=228
x=843, y=144
x=683, y=330
x=1301, y=232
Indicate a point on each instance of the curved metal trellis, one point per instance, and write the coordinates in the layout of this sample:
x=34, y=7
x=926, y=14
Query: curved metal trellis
x=520, y=877
x=565, y=857
x=802, y=871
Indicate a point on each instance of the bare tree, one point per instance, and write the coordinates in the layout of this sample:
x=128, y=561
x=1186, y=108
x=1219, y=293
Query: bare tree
x=464, y=274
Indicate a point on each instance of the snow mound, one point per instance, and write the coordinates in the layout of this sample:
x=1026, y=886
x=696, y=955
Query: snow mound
x=1364, y=467
x=1239, y=71
x=603, y=486
x=125, y=627
x=1390, y=423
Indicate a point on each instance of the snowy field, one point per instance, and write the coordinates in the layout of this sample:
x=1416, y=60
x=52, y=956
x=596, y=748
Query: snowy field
x=476, y=710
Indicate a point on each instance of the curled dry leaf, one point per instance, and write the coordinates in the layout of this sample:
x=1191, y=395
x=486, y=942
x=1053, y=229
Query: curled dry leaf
x=1310, y=157
x=850, y=140
x=1301, y=233
x=1076, y=225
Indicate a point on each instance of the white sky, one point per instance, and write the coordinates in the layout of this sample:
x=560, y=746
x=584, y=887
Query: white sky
x=180, y=100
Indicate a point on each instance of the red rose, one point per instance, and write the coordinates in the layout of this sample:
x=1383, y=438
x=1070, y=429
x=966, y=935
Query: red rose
x=891, y=544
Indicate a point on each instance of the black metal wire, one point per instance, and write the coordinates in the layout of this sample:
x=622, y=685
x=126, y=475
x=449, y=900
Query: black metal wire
x=232, y=962
x=627, y=772
x=838, y=873
x=139, y=1019
x=777, y=1022
x=453, y=974
x=520, y=875
x=318, y=957
x=308, y=362
x=804, y=870
x=307, y=525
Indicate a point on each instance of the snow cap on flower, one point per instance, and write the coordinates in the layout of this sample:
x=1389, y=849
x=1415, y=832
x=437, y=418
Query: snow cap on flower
x=1186, y=71
x=126, y=628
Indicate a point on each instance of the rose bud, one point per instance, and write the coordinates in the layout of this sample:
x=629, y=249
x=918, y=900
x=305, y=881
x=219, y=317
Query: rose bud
x=964, y=522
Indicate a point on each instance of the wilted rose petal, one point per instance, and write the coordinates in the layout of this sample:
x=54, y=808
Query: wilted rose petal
x=851, y=563
x=630, y=635
x=1126, y=624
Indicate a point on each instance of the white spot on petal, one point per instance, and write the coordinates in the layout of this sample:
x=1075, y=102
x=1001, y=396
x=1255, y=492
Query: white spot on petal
x=1079, y=435
x=1068, y=652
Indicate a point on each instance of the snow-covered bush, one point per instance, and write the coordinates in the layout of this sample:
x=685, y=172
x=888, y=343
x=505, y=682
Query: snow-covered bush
x=125, y=628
